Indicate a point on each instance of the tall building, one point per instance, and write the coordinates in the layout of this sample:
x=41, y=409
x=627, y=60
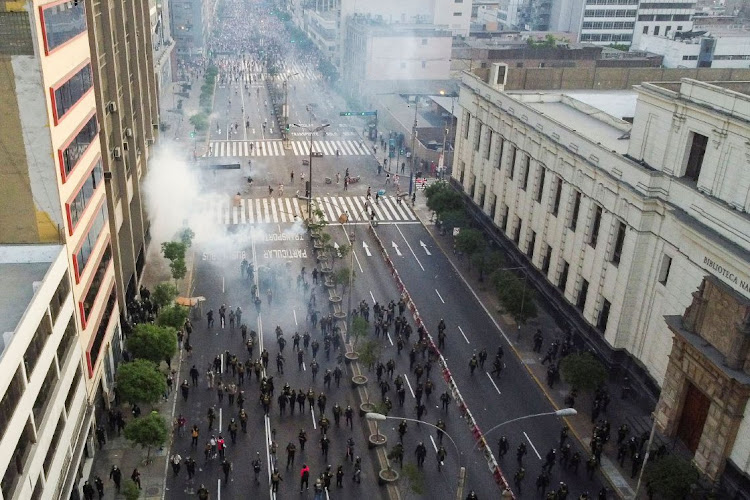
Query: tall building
x=663, y=18
x=605, y=22
x=619, y=204
x=191, y=22
x=79, y=107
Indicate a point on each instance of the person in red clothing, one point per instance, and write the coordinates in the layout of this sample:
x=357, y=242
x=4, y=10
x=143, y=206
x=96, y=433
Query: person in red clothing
x=304, y=477
x=220, y=444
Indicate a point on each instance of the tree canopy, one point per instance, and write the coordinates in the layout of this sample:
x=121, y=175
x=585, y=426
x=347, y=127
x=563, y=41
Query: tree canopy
x=515, y=295
x=140, y=381
x=583, y=371
x=174, y=316
x=671, y=477
x=164, y=294
x=470, y=241
x=152, y=342
x=359, y=328
x=149, y=431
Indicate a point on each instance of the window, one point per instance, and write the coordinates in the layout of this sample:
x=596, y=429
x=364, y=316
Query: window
x=517, y=231
x=488, y=149
x=619, y=241
x=666, y=265
x=512, y=163
x=63, y=348
x=96, y=282
x=48, y=459
x=424, y=41
x=646, y=17
x=58, y=299
x=576, y=209
x=81, y=257
x=457, y=14
x=667, y=30
x=77, y=207
x=69, y=93
x=546, y=260
x=532, y=243
x=582, y=293
x=645, y=30
x=601, y=323
x=527, y=169
x=62, y=22
x=92, y=354
x=424, y=64
x=37, y=343
x=506, y=213
x=595, y=225
x=73, y=389
x=467, y=121
x=72, y=153
x=540, y=189
x=458, y=1
x=45, y=394
x=656, y=30
x=500, y=154
x=695, y=159
x=563, y=281
x=558, y=195
x=478, y=137
x=10, y=400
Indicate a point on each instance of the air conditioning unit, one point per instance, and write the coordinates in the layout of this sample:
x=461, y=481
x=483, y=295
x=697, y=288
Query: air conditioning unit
x=128, y=132
x=112, y=107
x=150, y=141
x=117, y=153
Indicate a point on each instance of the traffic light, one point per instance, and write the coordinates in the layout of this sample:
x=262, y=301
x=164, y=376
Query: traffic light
x=287, y=127
x=192, y=134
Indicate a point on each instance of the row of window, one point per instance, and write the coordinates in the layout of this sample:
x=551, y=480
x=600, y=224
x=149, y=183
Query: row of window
x=612, y=2
x=664, y=17
x=96, y=283
x=738, y=57
x=62, y=22
x=661, y=5
x=610, y=13
x=667, y=29
x=69, y=93
x=605, y=37
x=70, y=156
x=77, y=207
x=93, y=353
x=609, y=25
x=81, y=258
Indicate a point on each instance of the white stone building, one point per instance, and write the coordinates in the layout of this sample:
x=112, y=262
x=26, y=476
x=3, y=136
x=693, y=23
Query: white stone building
x=719, y=47
x=663, y=17
x=619, y=223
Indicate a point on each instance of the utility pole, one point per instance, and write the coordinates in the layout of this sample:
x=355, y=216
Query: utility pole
x=413, y=140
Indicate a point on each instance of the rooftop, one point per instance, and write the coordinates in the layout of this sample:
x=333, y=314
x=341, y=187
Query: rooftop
x=598, y=116
x=730, y=98
x=21, y=266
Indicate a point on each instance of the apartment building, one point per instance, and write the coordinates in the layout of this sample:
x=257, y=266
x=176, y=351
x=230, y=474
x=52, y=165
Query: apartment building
x=721, y=47
x=79, y=107
x=619, y=223
x=663, y=18
x=191, y=22
x=46, y=426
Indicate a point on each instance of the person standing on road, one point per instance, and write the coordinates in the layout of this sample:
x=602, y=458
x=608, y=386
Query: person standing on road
x=115, y=474
x=275, y=479
x=256, y=467
x=226, y=466
x=88, y=491
x=185, y=388
x=176, y=463
x=190, y=467
x=421, y=453
x=99, y=486
x=304, y=478
x=291, y=450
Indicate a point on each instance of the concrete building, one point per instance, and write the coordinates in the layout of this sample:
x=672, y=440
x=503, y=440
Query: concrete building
x=509, y=14
x=663, y=18
x=45, y=421
x=618, y=224
x=718, y=48
x=163, y=47
x=377, y=51
x=605, y=22
x=80, y=116
x=191, y=22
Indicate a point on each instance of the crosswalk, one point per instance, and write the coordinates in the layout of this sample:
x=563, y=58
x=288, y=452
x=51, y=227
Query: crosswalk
x=290, y=72
x=274, y=210
x=275, y=147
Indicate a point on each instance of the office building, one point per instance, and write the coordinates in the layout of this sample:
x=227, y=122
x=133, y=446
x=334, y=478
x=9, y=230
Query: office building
x=191, y=22
x=619, y=204
x=719, y=47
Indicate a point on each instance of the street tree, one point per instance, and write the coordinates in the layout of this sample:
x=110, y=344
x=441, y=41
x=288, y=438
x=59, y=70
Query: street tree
x=173, y=316
x=454, y=218
x=174, y=251
x=164, y=294
x=341, y=277
x=516, y=297
x=140, y=381
x=186, y=237
x=152, y=342
x=671, y=477
x=444, y=200
x=583, y=371
x=130, y=490
x=470, y=241
x=487, y=262
x=359, y=329
x=369, y=353
x=148, y=431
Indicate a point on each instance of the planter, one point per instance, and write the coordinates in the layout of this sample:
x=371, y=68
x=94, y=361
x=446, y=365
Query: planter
x=375, y=440
x=326, y=270
x=366, y=408
x=350, y=356
x=339, y=315
x=358, y=381
x=329, y=284
x=386, y=476
x=317, y=245
x=335, y=299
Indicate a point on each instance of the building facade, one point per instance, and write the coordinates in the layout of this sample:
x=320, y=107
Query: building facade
x=46, y=425
x=719, y=48
x=191, y=22
x=663, y=18
x=617, y=223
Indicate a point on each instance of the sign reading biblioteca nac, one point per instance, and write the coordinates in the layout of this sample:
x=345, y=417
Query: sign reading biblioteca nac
x=728, y=274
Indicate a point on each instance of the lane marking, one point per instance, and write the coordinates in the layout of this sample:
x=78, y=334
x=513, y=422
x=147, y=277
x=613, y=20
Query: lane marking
x=460, y=330
x=493, y=383
x=411, y=250
x=532, y=445
x=441, y=300
x=389, y=339
x=357, y=259
x=220, y=426
x=294, y=311
x=218, y=488
x=406, y=377
x=315, y=426
x=222, y=284
x=433, y=443
x=303, y=366
x=373, y=297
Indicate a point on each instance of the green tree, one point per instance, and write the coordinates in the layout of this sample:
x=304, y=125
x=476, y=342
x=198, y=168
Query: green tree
x=369, y=353
x=671, y=477
x=359, y=329
x=164, y=294
x=186, y=237
x=454, y=218
x=487, y=262
x=148, y=431
x=174, y=251
x=583, y=371
x=173, y=316
x=151, y=342
x=178, y=268
x=140, y=381
x=444, y=200
x=341, y=277
x=199, y=121
x=130, y=490
x=470, y=241
x=516, y=297
x=415, y=477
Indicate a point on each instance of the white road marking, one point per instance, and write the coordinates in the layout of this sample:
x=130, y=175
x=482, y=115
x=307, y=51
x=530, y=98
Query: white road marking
x=367, y=249
x=460, y=330
x=303, y=366
x=424, y=245
x=532, y=446
x=493, y=383
x=406, y=377
x=389, y=338
x=220, y=426
x=395, y=247
x=222, y=284
x=441, y=299
x=312, y=412
x=410, y=249
x=433, y=443
x=294, y=311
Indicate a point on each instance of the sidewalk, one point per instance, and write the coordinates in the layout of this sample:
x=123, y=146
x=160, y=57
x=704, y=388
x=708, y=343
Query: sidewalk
x=118, y=450
x=618, y=412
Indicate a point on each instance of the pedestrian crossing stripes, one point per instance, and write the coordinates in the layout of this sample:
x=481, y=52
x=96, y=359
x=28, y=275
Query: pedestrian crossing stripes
x=274, y=210
x=219, y=149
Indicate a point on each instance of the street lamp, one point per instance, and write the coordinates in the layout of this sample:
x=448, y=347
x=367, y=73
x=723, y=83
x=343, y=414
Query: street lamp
x=564, y=412
x=309, y=179
x=379, y=417
x=447, y=131
x=413, y=140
